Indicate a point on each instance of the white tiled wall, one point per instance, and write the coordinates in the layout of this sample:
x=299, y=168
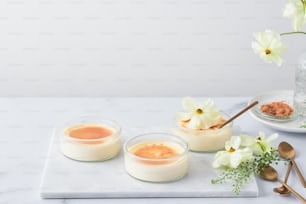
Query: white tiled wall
x=140, y=47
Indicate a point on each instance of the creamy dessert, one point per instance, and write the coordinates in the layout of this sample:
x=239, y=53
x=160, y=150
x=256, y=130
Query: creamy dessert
x=199, y=125
x=91, y=141
x=156, y=157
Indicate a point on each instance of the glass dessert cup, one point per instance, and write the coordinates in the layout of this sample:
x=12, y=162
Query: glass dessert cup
x=90, y=138
x=207, y=140
x=156, y=157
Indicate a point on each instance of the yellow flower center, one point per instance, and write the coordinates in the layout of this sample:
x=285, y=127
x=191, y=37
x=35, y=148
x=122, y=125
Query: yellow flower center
x=232, y=149
x=268, y=51
x=199, y=111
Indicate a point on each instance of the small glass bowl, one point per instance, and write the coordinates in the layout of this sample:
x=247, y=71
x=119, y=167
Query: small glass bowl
x=97, y=149
x=168, y=169
x=209, y=140
x=257, y=111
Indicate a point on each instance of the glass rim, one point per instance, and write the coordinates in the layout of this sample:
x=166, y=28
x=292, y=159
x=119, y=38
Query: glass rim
x=180, y=141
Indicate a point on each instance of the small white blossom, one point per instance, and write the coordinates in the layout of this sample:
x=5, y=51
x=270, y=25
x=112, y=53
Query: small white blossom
x=245, y=156
x=199, y=115
x=268, y=46
x=296, y=10
x=259, y=145
x=233, y=154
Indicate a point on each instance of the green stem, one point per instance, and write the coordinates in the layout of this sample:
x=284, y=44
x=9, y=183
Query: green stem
x=290, y=33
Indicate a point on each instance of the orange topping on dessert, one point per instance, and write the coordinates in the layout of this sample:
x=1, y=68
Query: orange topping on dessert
x=155, y=151
x=184, y=123
x=88, y=132
x=278, y=109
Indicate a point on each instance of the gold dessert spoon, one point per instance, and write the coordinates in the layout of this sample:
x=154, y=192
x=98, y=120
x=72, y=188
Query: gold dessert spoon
x=270, y=174
x=282, y=190
x=239, y=113
x=287, y=151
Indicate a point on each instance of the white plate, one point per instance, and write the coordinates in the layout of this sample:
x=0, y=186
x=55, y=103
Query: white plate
x=268, y=97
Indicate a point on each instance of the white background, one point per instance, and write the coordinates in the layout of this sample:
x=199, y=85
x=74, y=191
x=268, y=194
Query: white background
x=140, y=47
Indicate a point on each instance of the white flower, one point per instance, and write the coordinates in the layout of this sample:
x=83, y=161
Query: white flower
x=258, y=145
x=198, y=115
x=233, y=156
x=269, y=46
x=296, y=10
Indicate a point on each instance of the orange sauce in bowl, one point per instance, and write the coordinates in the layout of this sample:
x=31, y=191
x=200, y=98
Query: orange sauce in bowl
x=89, y=132
x=155, y=152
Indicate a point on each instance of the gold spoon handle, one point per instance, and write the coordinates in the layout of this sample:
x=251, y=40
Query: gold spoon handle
x=293, y=191
x=288, y=172
x=238, y=114
x=283, y=189
x=296, y=168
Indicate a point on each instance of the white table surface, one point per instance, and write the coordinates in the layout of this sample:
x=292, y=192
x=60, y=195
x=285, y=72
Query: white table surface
x=26, y=125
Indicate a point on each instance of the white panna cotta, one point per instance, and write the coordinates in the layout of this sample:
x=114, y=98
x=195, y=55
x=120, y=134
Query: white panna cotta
x=204, y=140
x=156, y=157
x=200, y=124
x=91, y=141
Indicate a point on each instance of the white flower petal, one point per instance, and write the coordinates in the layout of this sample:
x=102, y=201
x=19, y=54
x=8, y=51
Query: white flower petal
x=225, y=159
x=221, y=159
x=261, y=136
x=269, y=46
x=256, y=47
x=247, y=140
x=194, y=123
x=235, y=160
x=202, y=115
x=189, y=104
x=289, y=10
x=297, y=12
x=183, y=116
x=272, y=137
x=298, y=22
x=216, y=164
x=228, y=145
x=235, y=141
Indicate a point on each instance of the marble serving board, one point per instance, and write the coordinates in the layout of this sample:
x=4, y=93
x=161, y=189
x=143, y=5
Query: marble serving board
x=66, y=178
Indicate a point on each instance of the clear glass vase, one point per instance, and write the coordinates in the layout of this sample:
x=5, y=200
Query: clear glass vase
x=300, y=87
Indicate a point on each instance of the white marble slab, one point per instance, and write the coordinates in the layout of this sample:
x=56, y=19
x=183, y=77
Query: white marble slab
x=26, y=126
x=66, y=178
